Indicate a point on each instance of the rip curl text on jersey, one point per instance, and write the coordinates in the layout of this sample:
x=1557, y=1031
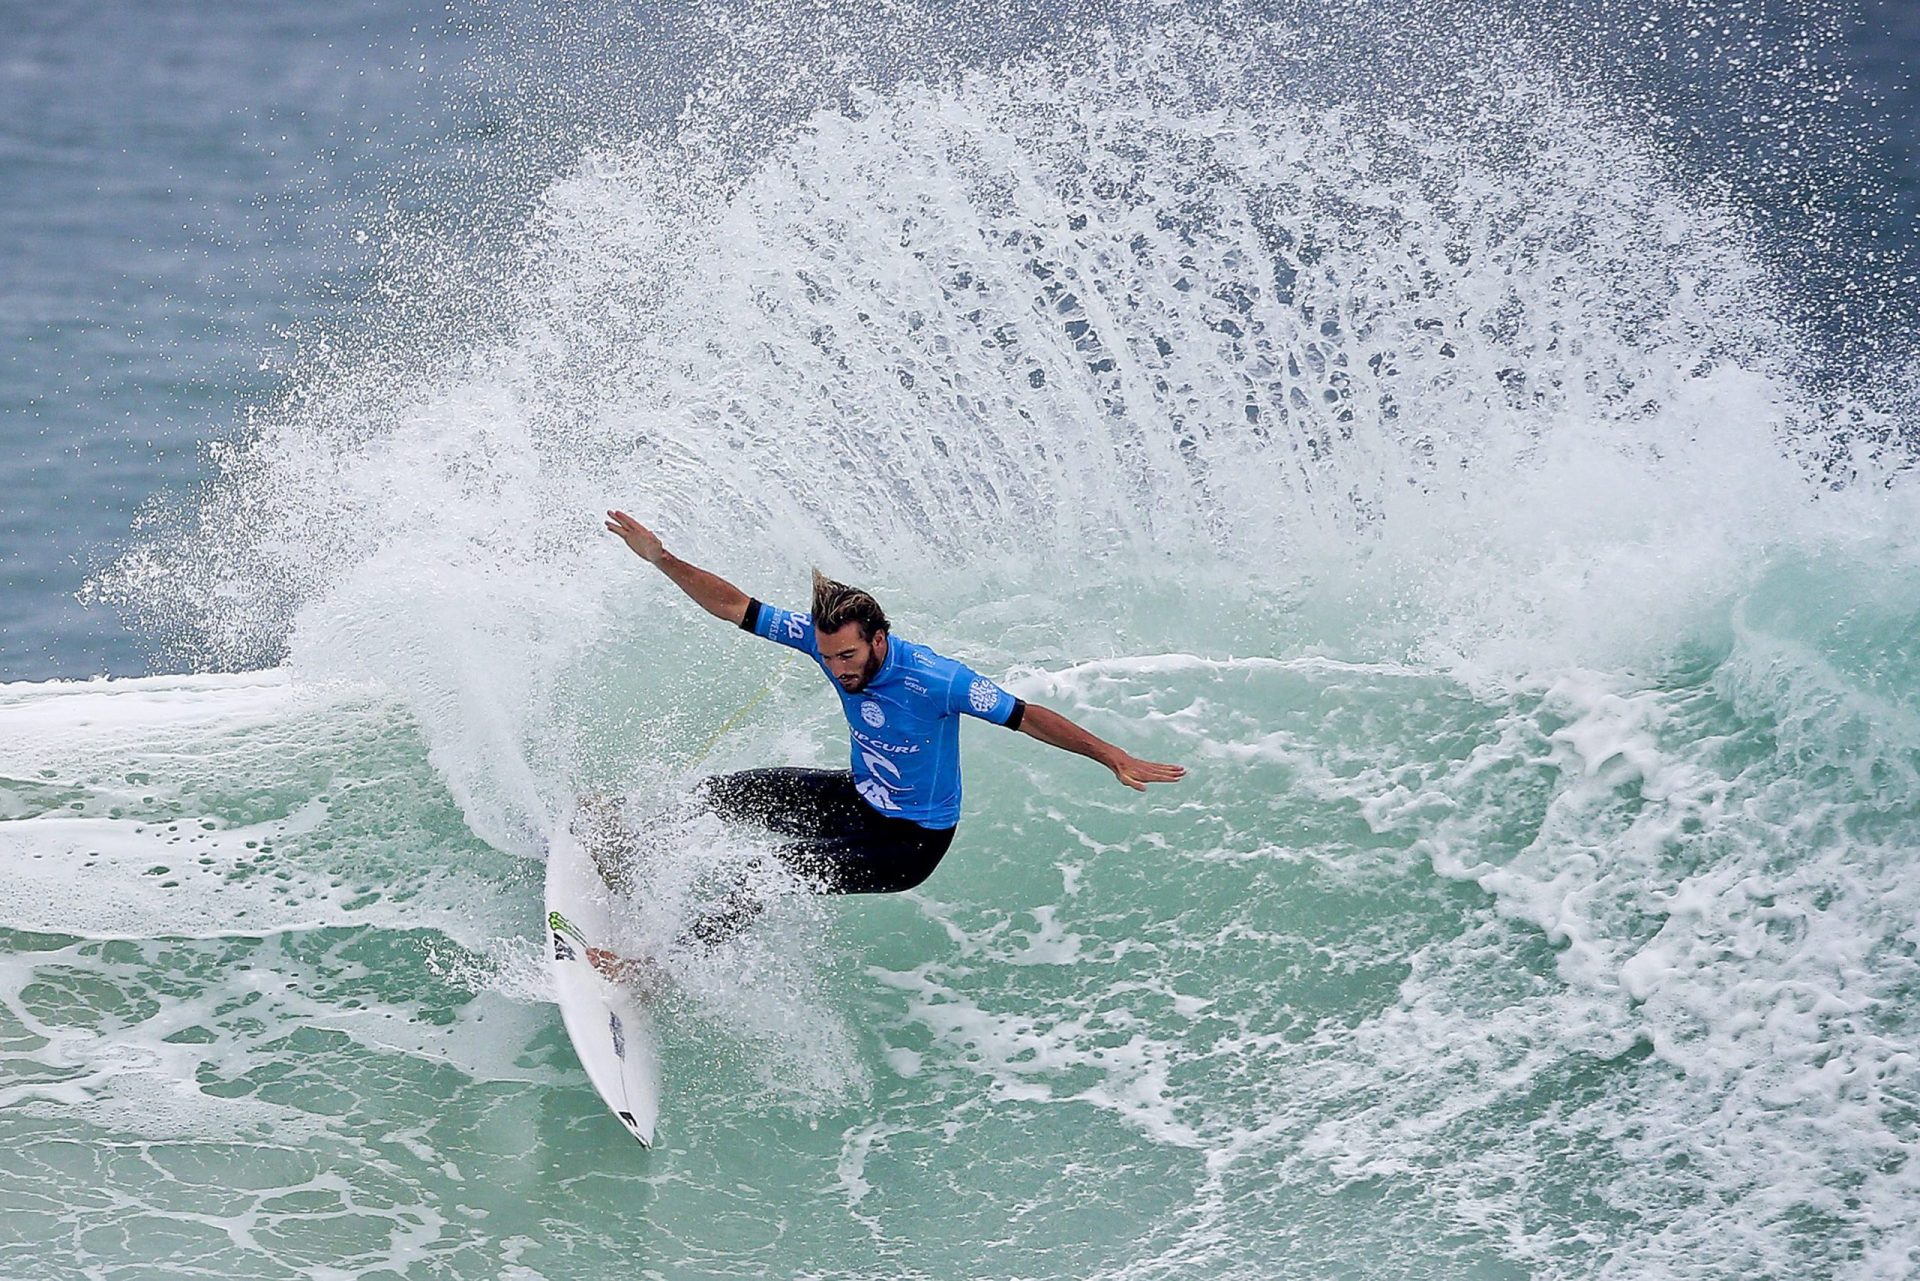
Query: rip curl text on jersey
x=906, y=722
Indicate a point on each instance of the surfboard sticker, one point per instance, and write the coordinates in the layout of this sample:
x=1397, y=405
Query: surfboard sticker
x=561, y=927
x=610, y=1027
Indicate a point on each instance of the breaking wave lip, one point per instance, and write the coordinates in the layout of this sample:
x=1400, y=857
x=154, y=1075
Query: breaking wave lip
x=1061, y=317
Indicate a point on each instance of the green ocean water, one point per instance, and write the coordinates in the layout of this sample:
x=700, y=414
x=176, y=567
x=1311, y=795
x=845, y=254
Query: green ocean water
x=1409, y=980
x=1445, y=490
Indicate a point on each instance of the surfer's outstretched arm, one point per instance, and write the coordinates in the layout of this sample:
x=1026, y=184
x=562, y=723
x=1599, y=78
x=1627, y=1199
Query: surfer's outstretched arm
x=709, y=591
x=1052, y=728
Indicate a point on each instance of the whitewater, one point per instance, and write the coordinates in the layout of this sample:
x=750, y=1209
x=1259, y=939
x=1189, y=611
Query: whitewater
x=1454, y=490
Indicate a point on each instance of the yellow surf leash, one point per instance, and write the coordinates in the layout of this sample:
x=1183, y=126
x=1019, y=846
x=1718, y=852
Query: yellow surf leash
x=733, y=720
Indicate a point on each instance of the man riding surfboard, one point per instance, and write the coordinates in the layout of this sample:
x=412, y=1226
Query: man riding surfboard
x=883, y=824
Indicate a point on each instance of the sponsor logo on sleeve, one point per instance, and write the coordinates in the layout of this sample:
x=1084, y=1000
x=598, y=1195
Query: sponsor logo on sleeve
x=984, y=695
x=797, y=625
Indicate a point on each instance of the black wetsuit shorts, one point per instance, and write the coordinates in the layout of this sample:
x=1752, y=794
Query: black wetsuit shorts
x=833, y=840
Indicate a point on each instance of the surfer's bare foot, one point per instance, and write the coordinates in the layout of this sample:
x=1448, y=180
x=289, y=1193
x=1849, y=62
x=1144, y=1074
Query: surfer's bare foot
x=642, y=972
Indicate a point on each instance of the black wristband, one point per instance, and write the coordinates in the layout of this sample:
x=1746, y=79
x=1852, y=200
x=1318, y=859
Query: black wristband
x=1019, y=710
x=750, y=621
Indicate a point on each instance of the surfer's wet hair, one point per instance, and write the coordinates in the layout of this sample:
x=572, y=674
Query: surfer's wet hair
x=836, y=604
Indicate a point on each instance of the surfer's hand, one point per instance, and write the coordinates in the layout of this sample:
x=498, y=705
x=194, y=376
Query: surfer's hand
x=1136, y=773
x=646, y=545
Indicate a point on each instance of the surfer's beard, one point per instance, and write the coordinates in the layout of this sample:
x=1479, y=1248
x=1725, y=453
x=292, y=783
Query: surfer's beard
x=867, y=673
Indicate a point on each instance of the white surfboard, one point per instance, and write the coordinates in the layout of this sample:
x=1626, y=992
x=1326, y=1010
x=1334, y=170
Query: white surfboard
x=611, y=1029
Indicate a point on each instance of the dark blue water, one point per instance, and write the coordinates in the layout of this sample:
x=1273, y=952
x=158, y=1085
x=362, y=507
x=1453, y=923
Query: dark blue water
x=179, y=185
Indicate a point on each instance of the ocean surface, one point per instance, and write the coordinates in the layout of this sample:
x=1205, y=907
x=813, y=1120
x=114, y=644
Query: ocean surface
x=1478, y=445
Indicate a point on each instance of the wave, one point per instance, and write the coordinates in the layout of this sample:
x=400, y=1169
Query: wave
x=1453, y=487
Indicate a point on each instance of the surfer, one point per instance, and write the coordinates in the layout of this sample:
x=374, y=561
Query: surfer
x=882, y=825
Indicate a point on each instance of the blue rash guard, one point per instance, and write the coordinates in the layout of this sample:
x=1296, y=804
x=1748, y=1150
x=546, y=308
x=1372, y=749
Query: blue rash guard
x=906, y=722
